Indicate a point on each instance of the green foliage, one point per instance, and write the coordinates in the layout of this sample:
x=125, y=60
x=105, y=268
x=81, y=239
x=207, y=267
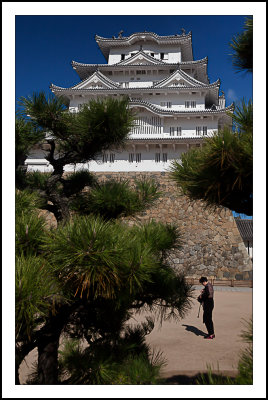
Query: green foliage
x=26, y=136
x=242, y=46
x=245, y=365
x=37, y=180
x=113, y=199
x=30, y=228
x=96, y=256
x=76, y=182
x=160, y=237
x=211, y=378
x=26, y=202
x=45, y=112
x=127, y=361
x=243, y=118
x=35, y=289
x=220, y=173
x=100, y=125
x=30, y=231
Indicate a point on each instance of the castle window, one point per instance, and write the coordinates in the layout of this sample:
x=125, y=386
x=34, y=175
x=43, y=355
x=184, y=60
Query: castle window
x=187, y=104
x=142, y=72
x=205, y=130
x=169, y=104
x=193, y=104
x=157, y=157
x=138, y=157
x=131, y=157
x=112, y=157
x=179, y=131
x=172, y=131
x=122, y=56
x=152, y=54
x=198, y=130
x=163, y=56
x=126, y=84
x=104, y=158
x=164, y=157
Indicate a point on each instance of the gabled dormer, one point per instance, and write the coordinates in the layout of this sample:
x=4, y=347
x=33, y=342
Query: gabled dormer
x=96, y=81
x=179, y=78
x=140, y=58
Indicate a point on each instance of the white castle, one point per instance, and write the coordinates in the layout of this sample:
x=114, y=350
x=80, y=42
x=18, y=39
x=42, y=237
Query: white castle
x=175, y=103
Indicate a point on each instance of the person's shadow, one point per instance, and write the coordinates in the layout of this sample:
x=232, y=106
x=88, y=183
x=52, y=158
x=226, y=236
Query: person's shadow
x=195, y=330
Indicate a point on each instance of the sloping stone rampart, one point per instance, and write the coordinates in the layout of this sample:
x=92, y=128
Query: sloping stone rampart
x=212, y=245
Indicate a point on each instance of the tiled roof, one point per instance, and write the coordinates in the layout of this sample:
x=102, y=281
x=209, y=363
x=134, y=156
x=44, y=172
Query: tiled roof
x=183, y=63
x=148, y=34
x=245, y=227
x=159, y=110
x=188, y=78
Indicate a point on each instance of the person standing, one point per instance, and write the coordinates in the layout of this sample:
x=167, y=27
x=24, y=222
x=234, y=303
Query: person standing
x=206, y=298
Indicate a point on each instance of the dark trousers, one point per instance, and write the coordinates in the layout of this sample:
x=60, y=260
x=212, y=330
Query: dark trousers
x=207, y=316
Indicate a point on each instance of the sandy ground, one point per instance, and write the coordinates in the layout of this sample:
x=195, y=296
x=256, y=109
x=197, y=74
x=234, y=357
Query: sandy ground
x=182, y=343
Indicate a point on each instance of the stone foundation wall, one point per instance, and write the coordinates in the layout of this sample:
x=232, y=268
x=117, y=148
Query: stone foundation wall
x=212, y=245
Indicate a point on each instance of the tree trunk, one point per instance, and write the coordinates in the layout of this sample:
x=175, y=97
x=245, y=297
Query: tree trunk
x=48, y=344
x=48, y=359
x=59, y=200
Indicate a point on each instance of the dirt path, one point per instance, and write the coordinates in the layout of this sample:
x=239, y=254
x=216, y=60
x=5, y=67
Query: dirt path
x=182, y=343
x=184, y=347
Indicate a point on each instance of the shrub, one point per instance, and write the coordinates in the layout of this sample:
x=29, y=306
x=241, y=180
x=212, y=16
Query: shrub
x=113, y=199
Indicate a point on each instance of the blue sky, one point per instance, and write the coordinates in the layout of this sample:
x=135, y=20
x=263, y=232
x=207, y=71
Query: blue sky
x=46, y=44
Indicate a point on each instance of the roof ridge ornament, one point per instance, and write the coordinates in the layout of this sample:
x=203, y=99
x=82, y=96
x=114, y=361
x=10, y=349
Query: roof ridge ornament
x=120, y=34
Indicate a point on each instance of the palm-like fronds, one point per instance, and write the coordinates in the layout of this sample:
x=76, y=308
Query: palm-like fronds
x=220, y=173
x=26, y=135
x=87, y=255
x=128, y=361
x=44, y=111
x=36, y=289
x=115, y=198
x=26, y=202
x=243, y=118
x=242, y=46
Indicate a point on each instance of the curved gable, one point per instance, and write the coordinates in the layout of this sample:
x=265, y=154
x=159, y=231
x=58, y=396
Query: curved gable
x=96, y=80
x=140, y=58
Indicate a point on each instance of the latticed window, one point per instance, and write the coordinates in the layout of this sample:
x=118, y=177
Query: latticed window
x=193, y=104
x=138, y=157
x=131, y=157
x=179, y=131
x=205, y=130
x=187, y=104
x=169, y=104
x=172, y=131
x=198, y=130
x=104, y=158
x=164, y=157
x=157, y=157
x=112, y=157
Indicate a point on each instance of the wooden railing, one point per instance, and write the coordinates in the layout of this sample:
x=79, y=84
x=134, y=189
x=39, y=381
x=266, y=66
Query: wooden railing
x=223, y=282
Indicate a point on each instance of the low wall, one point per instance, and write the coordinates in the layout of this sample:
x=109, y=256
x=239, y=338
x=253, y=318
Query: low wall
x=212, y=245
